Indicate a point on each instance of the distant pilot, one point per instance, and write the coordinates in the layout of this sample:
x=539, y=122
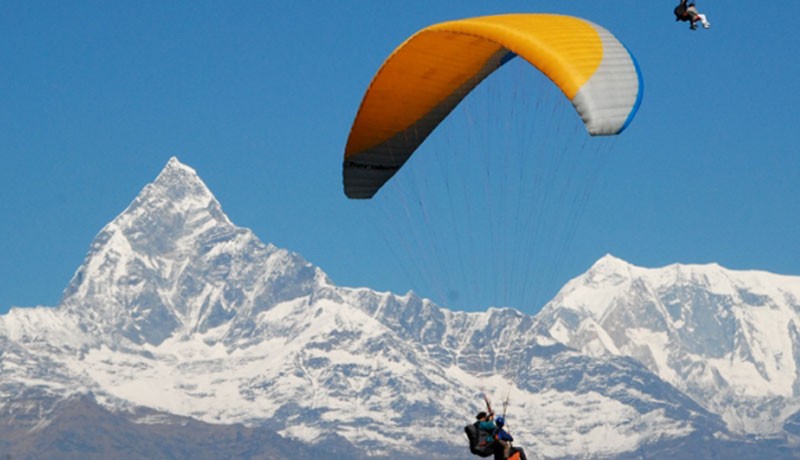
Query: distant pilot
x=688, y=12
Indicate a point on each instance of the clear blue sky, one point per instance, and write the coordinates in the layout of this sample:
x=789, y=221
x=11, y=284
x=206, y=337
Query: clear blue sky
x=258, y=97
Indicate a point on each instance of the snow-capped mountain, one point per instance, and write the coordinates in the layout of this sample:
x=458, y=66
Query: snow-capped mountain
x=173, y=265
x=729, y=339
x=177, y=310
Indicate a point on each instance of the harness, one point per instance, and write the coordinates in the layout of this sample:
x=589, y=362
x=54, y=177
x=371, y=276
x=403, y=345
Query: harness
x=478, y=443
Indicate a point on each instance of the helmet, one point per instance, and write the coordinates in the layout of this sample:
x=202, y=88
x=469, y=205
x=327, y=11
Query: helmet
x=500, y=421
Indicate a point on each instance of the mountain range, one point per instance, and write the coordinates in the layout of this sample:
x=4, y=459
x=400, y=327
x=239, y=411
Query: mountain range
x=182, y=335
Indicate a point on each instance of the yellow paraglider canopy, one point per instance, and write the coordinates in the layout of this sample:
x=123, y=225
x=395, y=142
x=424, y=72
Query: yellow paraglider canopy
x=427, y=76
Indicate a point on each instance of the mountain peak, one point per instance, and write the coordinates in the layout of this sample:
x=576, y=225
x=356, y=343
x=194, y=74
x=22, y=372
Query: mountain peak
x=175, y=170
x=611, y=263
x=138, y=259
x=181, y=185
x=174, y=163
x=177, y=201
x=712, y=332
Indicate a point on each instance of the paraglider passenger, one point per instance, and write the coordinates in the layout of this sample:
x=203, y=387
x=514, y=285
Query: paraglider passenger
x=502, y=448
x=688, y=12
x=503, y=437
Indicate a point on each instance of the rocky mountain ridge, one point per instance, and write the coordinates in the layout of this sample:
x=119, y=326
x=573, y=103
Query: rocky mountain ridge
x=178, y=311
x=730, y=339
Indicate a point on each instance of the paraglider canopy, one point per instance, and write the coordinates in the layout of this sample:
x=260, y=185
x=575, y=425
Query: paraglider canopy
x=426, y=77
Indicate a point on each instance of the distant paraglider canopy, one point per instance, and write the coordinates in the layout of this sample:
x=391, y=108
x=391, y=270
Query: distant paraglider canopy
x=427, y=76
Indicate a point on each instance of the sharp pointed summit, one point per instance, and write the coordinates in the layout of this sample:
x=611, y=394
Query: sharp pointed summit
x=171, y=262
x=181, y=181
x=177, y=198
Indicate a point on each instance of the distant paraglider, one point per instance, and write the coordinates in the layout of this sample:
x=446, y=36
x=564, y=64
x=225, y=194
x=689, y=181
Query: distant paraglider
x=427, y=76
x=687, y=12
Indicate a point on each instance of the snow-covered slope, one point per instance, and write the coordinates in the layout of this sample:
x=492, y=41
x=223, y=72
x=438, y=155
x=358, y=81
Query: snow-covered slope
x=178, y=310
x=729, y=339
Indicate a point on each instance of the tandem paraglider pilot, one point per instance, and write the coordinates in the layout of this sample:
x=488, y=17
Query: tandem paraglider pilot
x=488, y=438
